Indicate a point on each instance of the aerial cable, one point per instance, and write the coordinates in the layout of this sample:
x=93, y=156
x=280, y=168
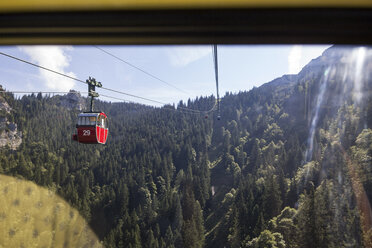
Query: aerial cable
x=42, y=67
x=179, y=109
x=155, y=101
x=155, y=77
x=108, y=89
x=131, y=95
x=43, y=92
x=215, y=60
x=141, y=70
x=80, y=92
x=78, y=80
x=62, y=92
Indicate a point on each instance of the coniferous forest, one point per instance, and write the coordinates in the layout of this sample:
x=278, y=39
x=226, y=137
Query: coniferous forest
x=288, y=165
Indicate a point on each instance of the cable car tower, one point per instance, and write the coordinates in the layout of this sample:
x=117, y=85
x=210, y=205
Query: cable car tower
x=91, y=126
x=92, y=83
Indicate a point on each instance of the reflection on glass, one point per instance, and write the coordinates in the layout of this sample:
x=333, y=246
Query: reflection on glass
x=33, y=216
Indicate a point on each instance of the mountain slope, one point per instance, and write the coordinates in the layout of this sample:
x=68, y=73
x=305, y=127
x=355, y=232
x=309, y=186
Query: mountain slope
x=282, y=167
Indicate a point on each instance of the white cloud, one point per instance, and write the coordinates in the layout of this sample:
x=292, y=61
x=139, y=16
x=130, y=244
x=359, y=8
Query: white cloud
x=54, y=58
x=183, y=55
x=294, y=59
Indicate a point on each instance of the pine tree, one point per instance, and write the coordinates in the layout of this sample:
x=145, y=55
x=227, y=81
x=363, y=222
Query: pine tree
x=272, y=201
x=306, y=219
x=169, y=238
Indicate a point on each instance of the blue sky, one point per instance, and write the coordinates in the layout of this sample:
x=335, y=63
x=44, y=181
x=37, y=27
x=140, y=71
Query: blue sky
x=189, y=68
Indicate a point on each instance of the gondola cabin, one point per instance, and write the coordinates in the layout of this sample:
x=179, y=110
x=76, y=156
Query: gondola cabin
x=91, y=128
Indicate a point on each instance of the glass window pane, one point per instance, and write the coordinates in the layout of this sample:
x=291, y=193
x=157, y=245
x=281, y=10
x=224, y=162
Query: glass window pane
x=92, y=120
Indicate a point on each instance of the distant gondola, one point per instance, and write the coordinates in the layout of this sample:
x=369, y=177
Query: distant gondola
x=91, y=128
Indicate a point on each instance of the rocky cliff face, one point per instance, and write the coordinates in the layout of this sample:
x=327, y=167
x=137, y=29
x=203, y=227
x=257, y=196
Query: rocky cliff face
x=9, y=134
x=73, y=100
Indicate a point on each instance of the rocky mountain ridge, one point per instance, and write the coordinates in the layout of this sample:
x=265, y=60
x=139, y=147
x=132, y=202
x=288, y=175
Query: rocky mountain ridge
x=9, y=134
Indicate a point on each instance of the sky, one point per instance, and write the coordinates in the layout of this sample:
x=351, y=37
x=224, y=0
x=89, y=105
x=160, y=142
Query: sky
x=189, y=69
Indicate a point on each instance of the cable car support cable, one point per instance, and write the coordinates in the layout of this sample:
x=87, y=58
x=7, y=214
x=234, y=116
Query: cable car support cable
x=215, y=60
x=104, y=88
x=43, y=92
x=141, y=70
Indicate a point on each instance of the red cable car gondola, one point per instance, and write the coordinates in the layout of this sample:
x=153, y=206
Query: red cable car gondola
x=91, y=128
